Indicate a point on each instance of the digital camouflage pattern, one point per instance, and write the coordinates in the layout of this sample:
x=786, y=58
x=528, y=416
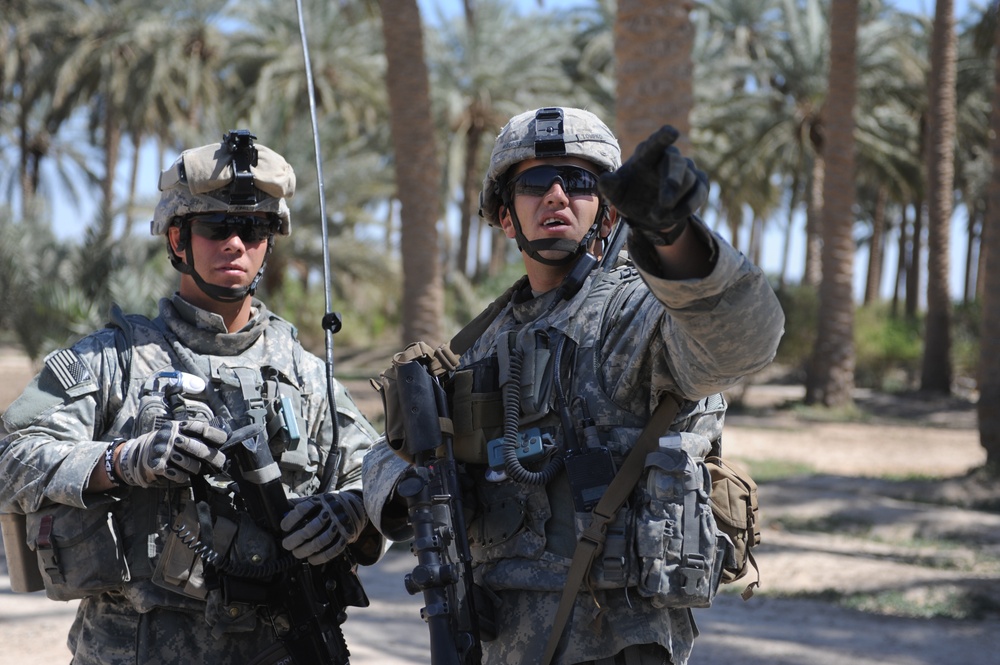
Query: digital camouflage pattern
x=635, y=339
x=84, y=397
x=199, y=179
x=585, y=136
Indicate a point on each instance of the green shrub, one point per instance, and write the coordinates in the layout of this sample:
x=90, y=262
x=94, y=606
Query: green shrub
x=888, y=351
x=801, y=306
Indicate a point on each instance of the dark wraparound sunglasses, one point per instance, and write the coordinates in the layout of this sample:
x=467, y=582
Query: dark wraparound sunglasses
x=220, y=226
x=574, y=180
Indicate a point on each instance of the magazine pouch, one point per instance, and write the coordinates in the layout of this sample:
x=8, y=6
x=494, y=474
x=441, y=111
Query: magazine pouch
x=677, y=540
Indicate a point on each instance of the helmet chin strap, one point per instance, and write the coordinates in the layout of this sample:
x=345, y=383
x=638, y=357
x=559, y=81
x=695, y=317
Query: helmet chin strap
x=225, y=294
x=573, y=249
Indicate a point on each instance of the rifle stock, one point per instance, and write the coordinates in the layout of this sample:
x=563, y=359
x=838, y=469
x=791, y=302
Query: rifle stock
x=434, y=501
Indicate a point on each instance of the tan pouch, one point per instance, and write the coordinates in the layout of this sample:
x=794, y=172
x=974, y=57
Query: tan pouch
x=737, y=514
x=21, y=565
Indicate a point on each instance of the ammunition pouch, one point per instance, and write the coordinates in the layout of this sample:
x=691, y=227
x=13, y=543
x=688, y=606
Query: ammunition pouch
x=680, y=548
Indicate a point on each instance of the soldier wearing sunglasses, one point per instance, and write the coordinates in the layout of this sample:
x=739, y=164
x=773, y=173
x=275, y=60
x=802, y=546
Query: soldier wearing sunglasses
x=577, y=358
x=118, y=458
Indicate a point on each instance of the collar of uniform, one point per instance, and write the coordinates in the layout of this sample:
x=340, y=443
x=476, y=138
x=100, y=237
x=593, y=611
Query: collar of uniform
x=205, y=332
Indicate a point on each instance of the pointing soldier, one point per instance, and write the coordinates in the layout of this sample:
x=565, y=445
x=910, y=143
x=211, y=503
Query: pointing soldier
x=578, y=358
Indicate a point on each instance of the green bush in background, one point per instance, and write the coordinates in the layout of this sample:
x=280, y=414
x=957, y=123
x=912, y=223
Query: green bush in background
x=888, y=349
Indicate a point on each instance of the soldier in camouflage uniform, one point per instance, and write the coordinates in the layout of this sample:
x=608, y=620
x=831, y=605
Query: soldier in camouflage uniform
x=104, y=484
x=686, y=314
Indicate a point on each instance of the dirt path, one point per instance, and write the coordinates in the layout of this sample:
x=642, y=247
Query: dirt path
x=857, y=550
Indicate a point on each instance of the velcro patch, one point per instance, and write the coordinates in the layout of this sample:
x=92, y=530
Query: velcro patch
x=71, y=372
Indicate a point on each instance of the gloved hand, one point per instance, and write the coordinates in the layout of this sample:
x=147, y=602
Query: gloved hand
x=173, y=453
x=319, y=528
x=657, y=189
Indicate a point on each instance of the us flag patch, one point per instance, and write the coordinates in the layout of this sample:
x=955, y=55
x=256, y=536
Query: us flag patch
x=68, y=369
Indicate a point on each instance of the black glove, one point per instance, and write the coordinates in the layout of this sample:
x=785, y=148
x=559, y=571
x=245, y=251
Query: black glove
x=657, y=189
x=319, y=528
x=173, y=453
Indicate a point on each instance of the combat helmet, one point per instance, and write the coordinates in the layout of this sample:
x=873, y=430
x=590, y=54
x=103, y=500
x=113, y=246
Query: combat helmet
x=233, y=177
x=546, y=132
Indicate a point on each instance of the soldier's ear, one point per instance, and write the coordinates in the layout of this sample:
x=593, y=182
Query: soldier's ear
x=176, y=240
x=506, y=223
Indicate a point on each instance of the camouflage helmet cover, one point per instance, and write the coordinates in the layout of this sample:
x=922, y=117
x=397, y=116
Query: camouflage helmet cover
x=199, y=181
x=583, y=135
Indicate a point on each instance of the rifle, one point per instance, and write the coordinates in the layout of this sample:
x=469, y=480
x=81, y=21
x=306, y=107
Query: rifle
x=455, y=610
x=306, y=603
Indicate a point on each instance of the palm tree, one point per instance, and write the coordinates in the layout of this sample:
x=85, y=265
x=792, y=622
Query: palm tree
x=653, y=44
x=32, y=126
x=936, y=371
x=484, y=71
x=831, y=373
x=267, y=90
x=417, y=170
x=989, y=350
x=973, y=90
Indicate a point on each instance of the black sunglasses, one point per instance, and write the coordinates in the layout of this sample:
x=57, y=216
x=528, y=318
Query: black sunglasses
x=221, y=226
x=575, y=180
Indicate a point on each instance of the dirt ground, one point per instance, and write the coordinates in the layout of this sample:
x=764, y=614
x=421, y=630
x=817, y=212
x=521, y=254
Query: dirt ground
x=874, y=551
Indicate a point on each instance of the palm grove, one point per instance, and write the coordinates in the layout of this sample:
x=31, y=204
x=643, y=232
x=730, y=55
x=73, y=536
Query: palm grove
x=406, y=120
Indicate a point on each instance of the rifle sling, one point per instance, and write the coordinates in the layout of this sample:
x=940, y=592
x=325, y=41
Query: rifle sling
x=604, y=512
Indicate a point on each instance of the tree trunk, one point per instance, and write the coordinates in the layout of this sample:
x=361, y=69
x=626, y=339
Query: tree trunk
x=989, y=345
x=417, y=170
x=653, y=44
x=786, y=249
x=812, y=272
x=831, y=376
x=972, y=244
x=470, y=199
x=936, y=371
x=875, y=253
x=901, y=262
x=913, y=268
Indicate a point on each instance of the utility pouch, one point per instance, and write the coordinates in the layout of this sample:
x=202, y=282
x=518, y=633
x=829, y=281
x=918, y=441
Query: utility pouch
x=286, y=428
x=180, y=567
x=677, y=540
x=590, y=471
x=438, y=361
x=79, y=551
x=477, y=413
x=734, y=503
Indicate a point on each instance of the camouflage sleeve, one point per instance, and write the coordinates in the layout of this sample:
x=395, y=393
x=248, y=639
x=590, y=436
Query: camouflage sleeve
x=707, y=334
x=356, y=437
x=55, y=427
x=381, y=470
